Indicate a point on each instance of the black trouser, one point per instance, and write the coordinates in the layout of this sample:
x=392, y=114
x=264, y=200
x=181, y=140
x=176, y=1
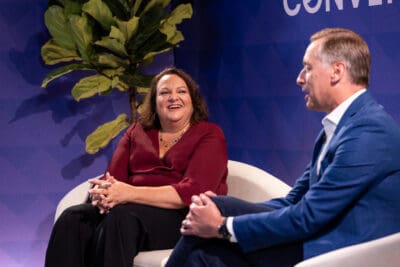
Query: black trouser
x=194, y=251
x=83, y=237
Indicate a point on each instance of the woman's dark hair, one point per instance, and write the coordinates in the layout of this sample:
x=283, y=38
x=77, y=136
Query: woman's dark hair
x=148, y=115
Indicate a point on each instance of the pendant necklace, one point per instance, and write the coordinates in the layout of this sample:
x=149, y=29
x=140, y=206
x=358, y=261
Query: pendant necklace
x=170, y=143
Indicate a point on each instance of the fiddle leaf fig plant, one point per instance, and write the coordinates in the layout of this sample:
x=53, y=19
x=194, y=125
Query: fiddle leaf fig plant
x=110, y=40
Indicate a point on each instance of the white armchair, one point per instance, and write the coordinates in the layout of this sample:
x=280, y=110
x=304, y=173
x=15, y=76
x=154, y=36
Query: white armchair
x=253, y=184
x=244, y=181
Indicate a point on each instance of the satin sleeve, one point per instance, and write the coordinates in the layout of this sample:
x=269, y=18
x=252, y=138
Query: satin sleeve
x=207, y=166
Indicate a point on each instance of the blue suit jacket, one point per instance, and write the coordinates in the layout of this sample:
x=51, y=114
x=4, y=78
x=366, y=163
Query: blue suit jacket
x=355, y=198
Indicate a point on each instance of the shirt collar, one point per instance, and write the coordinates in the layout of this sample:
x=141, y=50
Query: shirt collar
x=331, y=120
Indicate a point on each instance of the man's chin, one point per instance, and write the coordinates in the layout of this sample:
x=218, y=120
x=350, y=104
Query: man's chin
x=311, y=107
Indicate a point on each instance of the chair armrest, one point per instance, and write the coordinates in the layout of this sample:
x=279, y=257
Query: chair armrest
x=383, y=251
x=77, y=195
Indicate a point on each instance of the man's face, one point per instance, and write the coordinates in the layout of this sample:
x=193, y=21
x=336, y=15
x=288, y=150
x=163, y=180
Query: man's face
x=315, y=80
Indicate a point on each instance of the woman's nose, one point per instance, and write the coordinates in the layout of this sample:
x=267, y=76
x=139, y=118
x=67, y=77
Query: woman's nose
x=172, y=97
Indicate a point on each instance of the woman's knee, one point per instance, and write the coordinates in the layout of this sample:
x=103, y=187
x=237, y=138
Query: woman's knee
x=121, y=215
x=131, y=210
x=121, y=211
x=77, y=213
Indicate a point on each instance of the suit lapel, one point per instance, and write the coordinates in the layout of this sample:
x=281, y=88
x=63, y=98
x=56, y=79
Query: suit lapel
x=317, y=148
x=350, y=112
x=357, y=104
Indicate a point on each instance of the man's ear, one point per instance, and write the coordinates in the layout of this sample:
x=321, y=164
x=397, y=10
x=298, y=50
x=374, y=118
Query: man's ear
x=339, y=69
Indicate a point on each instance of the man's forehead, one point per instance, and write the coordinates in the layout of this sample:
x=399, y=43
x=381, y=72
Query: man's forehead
x=311, y=51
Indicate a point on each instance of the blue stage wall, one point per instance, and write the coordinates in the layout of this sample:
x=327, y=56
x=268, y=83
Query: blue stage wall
x=244, y=54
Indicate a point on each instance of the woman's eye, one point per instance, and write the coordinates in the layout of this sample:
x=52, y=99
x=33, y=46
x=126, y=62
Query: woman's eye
x=182, y=90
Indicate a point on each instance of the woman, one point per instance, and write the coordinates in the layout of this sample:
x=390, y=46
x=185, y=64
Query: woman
x=172, y=154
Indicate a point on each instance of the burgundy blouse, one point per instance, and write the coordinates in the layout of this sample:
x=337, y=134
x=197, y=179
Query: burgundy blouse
x=195, y=164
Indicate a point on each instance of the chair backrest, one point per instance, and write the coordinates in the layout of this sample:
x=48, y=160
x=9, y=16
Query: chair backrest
x=253, y=184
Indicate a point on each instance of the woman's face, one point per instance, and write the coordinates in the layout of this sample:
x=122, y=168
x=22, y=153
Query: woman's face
x=173, y=101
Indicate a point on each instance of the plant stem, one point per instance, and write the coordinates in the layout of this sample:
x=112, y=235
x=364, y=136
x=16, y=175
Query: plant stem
x=132, y=103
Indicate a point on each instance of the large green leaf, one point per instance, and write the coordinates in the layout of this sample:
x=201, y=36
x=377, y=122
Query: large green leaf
x=176, y=38
x=137, y=79
x=62, y=71
x=113, y=45
x=181, y=12
x=128, y=28
x=57, y=24
x=83, y=35
x=111, y=61
x=117, y=34
x=153, y=3
x=148, y=58
x=119, y=8
x=149, y=24
x=119, y=84
x=71, y=7
x=100, y=12
x=113, y=72
x=156, y=43
x=162, y=40
x=89, y=86
x=136, y=7
x=52, y=53
x=100, y=137
x=168, y=27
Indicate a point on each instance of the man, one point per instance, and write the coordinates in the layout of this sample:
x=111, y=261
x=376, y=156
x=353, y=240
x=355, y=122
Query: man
x=349, y=192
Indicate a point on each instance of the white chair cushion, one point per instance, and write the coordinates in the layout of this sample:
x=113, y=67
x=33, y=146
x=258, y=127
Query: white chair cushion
x=383, y=251
x=153, y=258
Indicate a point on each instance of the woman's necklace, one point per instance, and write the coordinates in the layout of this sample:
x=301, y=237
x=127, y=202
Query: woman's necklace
x=175, y=138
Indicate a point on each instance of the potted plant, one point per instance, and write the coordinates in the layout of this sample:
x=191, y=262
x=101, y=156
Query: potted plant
x=110, y=40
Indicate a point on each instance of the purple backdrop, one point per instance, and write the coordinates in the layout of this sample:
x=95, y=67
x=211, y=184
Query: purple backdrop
x=42, y=152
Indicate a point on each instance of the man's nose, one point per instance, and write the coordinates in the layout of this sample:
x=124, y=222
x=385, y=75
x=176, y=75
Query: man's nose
x=300, y=78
